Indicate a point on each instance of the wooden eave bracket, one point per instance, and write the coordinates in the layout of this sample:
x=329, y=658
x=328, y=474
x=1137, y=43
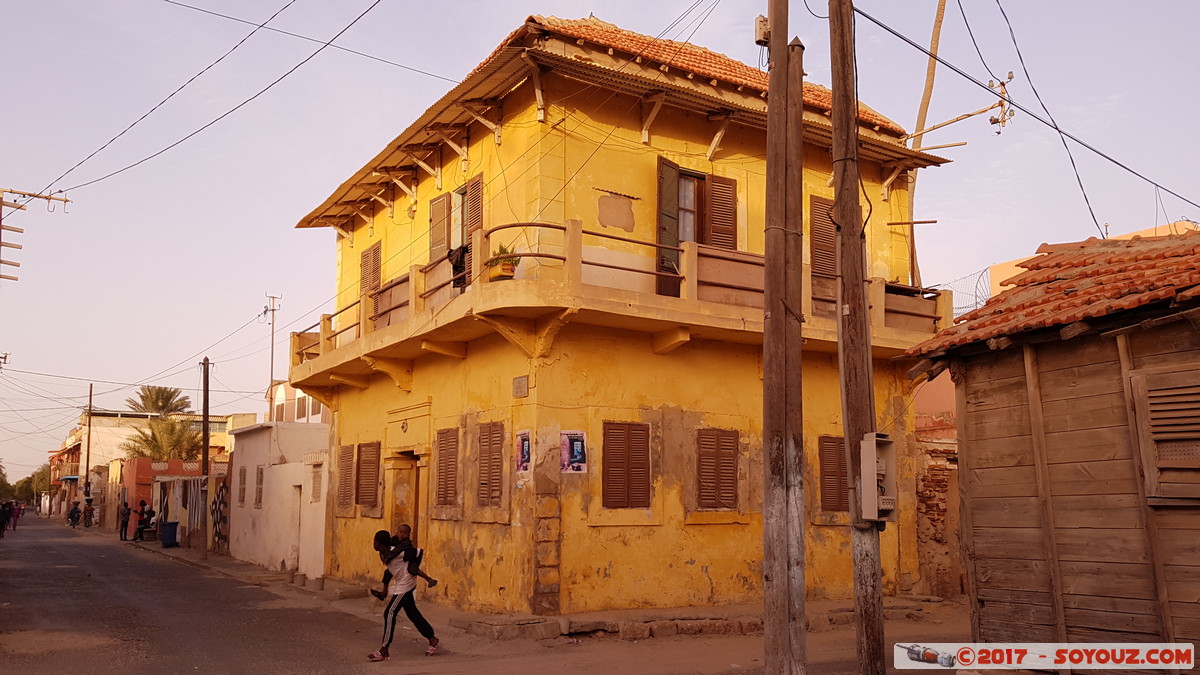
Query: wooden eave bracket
x=1074, y=330
x=363, y=208
x=716, y=141
x=340, y=225
x=887, y=183
x=456, y=350
x=535, y=76
x=436, y=173
x=327, y=396
x=655, y=103
x=669, y=340
x=477, y=110
x=534, y=339
x=400, y=370
x=1192, y=316
x=448, y=140
x=376, y=191
x=356, y=381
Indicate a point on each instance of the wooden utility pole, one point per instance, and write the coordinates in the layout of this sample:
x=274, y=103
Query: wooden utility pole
x=4, y=203
x=87, y=462
x=204, y=461
x=854, y=334
x=783, y=499
x=922, y=115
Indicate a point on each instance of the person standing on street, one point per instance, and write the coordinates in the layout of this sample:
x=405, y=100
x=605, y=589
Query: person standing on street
x=123, y=518
x=5, y=516
x=143, y=513
x=400, y=596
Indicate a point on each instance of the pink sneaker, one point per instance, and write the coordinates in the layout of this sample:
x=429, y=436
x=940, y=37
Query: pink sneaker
x=378, y=656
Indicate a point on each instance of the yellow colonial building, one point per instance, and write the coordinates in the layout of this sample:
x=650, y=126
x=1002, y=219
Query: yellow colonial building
x=547, y=351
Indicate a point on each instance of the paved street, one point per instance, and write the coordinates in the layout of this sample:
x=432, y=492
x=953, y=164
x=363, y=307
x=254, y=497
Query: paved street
x=76, y=601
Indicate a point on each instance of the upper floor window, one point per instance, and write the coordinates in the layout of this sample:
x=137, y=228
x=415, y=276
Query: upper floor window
x=692, y=206
x=625, y=465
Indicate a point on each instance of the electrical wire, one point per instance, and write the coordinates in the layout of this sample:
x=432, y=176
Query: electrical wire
x=1061, y=137
x=1018, y=106
x=231, y=110
x=312, y=39
x=124, y=385
x=978, y=51
x=810, y=11
x=169, y=97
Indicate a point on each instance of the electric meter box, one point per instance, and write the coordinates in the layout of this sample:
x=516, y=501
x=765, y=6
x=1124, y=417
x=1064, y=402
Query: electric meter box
x=878, y=466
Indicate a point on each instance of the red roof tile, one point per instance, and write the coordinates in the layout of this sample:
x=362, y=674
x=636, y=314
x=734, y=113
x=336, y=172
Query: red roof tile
x=692, y=58
x=1081, y=280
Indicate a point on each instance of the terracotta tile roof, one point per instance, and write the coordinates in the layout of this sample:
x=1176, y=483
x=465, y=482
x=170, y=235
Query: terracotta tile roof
x=692, y=58
x=1081, y=280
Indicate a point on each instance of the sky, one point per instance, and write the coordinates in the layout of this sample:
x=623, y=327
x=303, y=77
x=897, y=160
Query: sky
x=151, y=269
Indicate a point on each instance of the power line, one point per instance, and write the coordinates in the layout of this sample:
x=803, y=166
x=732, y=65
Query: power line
x=124, y=385
x=1018, y=106
x=1070, y=155
x=233, y=109
x=311, y=39
x=170, y=96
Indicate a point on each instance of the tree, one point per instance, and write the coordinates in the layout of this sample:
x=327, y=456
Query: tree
x=159, y=400
x=164, y=438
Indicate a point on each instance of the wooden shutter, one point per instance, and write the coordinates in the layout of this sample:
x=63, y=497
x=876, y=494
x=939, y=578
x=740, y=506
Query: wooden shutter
x=371, y=274
x=716, y=468
x=822, y=238
x=439, y=226
x=625, y=469
x=278, y=412
x=668, y=225
x=491, y=464
x=835, y=495
x=317, y=470
x=1168, y=412
x=301, y=407
x=720, y=226
x=242, y=486
x=472, y=221
x=367, y=484
x=258, y=486
x=345, y=489
x=447, y=467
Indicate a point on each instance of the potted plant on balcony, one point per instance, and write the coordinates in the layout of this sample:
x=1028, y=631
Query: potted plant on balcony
x=500, y=266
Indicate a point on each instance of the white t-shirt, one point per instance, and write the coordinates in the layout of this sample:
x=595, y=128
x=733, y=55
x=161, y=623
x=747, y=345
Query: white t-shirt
x=403, y=581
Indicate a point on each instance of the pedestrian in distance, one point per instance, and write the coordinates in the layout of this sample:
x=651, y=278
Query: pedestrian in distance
x=403, y=543
x=5, y=515
x=16, y=515
x=400, y=596
x=123, y=518
x=73, y=515
x=145, y=515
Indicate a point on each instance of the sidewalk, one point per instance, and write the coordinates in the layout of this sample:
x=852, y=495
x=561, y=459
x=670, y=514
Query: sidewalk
x=632, y=624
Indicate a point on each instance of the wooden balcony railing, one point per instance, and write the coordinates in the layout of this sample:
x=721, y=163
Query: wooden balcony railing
x=569, y=253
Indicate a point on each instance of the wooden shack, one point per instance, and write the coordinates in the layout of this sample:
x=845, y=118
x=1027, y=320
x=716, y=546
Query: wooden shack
x=1078, y=396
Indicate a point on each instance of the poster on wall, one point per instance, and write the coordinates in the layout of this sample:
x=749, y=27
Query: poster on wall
x=574, y=452
x=523, y=453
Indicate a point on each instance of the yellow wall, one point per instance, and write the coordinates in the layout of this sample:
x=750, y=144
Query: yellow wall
x=552, y=528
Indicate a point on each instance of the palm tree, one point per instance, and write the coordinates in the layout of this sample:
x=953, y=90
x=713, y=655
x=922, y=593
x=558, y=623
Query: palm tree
x=164, y=438
x=159, y=400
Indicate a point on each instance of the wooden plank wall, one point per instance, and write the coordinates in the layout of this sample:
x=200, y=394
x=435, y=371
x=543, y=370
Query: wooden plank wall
x=1102, y=575
x=1009, y=569
x=1176, y=345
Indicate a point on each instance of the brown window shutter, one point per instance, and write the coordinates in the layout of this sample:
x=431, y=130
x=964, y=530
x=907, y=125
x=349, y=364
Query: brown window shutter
x=822, y=238
x=717, y=468
x=278, y=412
x=371, y=274
x=720, y=227
x=301, y=407
x=241, y=485
x=439, y=226
x=367, y=488
x=345, y=492
x=472, y=220
x=614, y=469
x=491, y=467
x=835, y=495
x=639, y=466
x=707, y=468
x=668, y=225
x=447, y=467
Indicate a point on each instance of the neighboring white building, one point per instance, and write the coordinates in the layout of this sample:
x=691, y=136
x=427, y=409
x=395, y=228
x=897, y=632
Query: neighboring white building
x=279, y=478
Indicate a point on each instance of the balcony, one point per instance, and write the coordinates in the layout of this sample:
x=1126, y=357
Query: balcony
x=66, y=471
x=569, y=274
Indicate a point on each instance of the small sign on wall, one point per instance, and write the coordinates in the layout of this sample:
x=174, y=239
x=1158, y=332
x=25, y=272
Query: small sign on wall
x=524, y=452
x=574, y=452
